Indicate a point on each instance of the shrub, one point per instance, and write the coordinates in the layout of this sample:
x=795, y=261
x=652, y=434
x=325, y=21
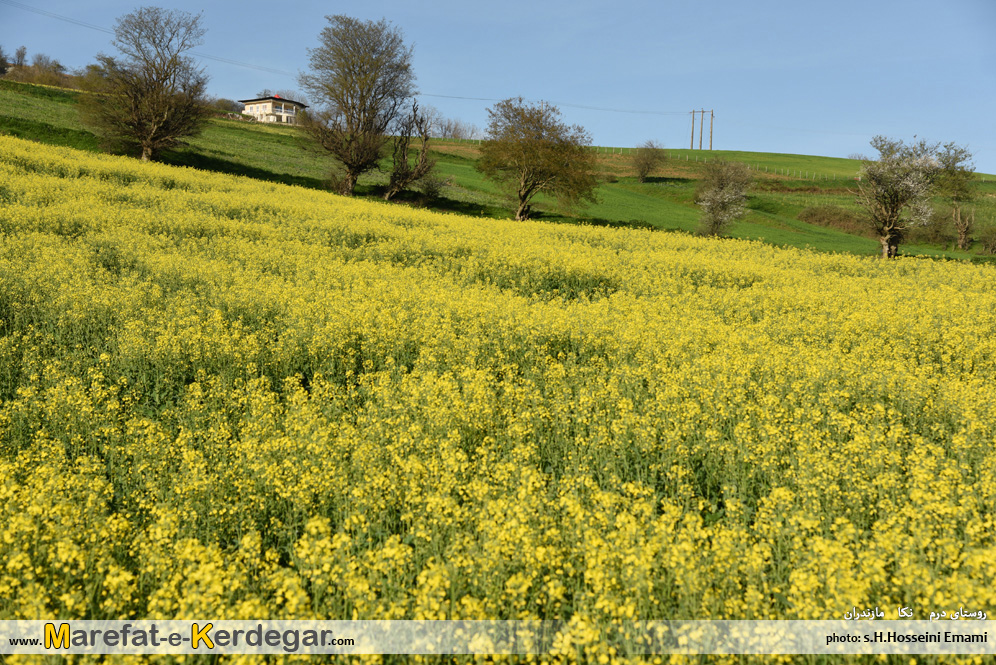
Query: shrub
x=987, y=238
x=647, y=159
x=936, y=231
x=430, y=188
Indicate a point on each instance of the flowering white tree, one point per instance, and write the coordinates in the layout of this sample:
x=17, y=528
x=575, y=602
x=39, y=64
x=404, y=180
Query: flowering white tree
x=895, y=190
x=722, y=196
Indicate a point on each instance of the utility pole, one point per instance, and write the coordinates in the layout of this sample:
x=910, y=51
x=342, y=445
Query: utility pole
x=712, y=116
x=701, y=120
x=691, y=146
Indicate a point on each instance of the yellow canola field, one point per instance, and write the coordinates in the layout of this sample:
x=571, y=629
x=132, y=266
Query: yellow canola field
x=223, y=398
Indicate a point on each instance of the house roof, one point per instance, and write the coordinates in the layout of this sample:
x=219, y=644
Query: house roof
x=275, y=97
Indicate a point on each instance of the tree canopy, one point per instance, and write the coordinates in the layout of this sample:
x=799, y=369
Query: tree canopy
x=956, y=184
x=895, y=190
x=153, y=95
x=360, y=79
x=648, y=158
x=722, y=196
x=529, y=150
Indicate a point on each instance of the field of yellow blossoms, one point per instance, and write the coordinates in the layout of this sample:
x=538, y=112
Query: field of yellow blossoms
x=232, y=399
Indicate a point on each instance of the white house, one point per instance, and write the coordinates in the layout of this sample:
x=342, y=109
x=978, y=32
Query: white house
x=274, y=109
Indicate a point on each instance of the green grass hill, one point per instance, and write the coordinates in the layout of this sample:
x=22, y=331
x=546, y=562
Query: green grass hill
x=798, y=200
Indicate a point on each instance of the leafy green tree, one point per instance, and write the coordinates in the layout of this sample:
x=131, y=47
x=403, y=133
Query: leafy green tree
x=528, y=150
x=956, y=184
x=153, y=95
x=361, y=77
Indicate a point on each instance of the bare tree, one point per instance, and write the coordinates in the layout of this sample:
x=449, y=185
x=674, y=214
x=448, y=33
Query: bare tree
x=449, y=128
x=293, y=95
x=956, y=184
x=454, y=128
x=43, y=70
x=722, y=196
x=361, y=76
x=529, y=150
x=403, y=172
x=43, y=62
x=20, y=56
x=647, y=158
x=895, y=190
x=153, y=95
x=458, y=129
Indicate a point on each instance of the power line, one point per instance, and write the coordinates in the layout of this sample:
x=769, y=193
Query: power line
x=573, y=106
x=272, y=70
x=91, y=26
x=243, y=64
x=29, y=8
x=476, y=99
x=607, y=110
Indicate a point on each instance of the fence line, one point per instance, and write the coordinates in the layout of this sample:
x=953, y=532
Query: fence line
x=798, y=174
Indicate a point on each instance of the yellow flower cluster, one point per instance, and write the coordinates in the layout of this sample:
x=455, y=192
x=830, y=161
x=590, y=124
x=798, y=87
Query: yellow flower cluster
x=231, y=399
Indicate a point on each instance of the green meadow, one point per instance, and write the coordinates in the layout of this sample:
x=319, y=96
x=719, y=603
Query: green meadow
x=786, y=185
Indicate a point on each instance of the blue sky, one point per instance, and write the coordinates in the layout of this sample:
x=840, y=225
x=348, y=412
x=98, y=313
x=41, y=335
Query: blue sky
x=796, y=77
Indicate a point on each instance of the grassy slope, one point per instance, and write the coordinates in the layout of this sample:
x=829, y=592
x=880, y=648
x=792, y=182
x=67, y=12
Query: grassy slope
x=43, y=114
x=787, y=184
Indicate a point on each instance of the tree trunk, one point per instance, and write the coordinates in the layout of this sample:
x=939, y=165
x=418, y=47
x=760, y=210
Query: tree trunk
x=893, y=247
x=890, y=245
x=962, y=237
x=523, y=212
x=349, y=183
x=146, y=153
x=963, y=226
x=884, y=241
